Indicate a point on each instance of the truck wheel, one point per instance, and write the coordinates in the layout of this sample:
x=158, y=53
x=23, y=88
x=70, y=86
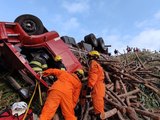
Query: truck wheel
x=72, y=41
x=65, y=39
x=101, y=44
x=69, y=40
x=85, y=46
x=30, y=24
x=91, y=39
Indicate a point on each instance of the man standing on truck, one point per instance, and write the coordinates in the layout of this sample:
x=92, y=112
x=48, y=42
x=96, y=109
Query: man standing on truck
x=64, y=92
x=96, y=84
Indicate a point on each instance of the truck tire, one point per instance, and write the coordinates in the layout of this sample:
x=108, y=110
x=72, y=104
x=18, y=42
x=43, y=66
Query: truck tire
x=72, y=41
x=69, y=40
x=101, y=44
x=85, y=46
x=65, y=39
x=91, y=39
x=30, y=24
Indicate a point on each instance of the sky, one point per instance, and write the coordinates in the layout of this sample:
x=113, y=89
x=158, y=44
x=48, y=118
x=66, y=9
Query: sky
x=121, y=23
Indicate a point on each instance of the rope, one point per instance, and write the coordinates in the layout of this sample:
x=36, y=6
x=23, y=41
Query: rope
x=40, y=95
x=29, y=104
x=39, y=89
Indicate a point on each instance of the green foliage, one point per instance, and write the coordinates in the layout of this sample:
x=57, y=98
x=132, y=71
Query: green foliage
x=7, y=95
x=148, y=99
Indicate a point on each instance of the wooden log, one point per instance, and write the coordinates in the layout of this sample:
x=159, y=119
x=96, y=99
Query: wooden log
x=123, y=86
x=123, y=110
x=139, y=77
x=148, y=114
x=131, y=63
x=135, y=69
x=120, y=116
x=85, y=112
x=108, y=86
x=132, y=97
x=154, y=75
x=143, y=72
x=131, y=113
x=119, y=107
x=134, y=104
x=129, y=93
x=112, y=97
x=117, y=97
x=107, y=76
x=108, y=114
x=128, y=101
x=145, y=117
x=117, y=86
x=127, y=75
x=140, y=61
x=131, y=77
x=125, y=91
x=153, y=88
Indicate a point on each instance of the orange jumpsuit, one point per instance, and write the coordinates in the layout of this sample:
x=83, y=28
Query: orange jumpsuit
x=64, y=92
x=96, y=81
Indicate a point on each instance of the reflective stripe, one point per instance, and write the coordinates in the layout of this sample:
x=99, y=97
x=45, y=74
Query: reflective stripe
x=36, y=63
x=44, y=66
x=37, y=69
x=63, y=69
x=58, y=38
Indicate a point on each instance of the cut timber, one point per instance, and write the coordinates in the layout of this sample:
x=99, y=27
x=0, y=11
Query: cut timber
x=108, y=114
x=148, y=114
x=129, y=93
x=131, y=113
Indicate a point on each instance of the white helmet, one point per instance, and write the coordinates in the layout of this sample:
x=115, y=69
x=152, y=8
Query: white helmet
x=19, y=108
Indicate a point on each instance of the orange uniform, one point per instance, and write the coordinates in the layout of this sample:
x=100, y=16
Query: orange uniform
x=64, y=92
x=96, y=81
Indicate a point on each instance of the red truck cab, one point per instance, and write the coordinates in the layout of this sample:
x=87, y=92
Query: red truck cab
x=13, y=38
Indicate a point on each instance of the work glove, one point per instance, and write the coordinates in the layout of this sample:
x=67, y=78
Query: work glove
x=47, y=72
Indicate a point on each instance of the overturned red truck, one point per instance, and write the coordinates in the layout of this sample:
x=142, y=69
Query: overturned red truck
x=26, y=35
x=21, y=39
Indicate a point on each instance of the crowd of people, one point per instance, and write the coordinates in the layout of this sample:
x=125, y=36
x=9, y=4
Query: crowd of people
x=128, y=50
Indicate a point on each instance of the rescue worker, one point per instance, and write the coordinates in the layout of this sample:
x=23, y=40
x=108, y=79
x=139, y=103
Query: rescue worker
x=128, y=49
x=64, y=92
x=116, y=51
x=96, y=84
x=39, y=63
x=58, y=63
x=136, y=49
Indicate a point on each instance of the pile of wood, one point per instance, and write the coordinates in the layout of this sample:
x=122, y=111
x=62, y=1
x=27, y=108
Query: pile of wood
x=134, y=86
x=132, y=90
